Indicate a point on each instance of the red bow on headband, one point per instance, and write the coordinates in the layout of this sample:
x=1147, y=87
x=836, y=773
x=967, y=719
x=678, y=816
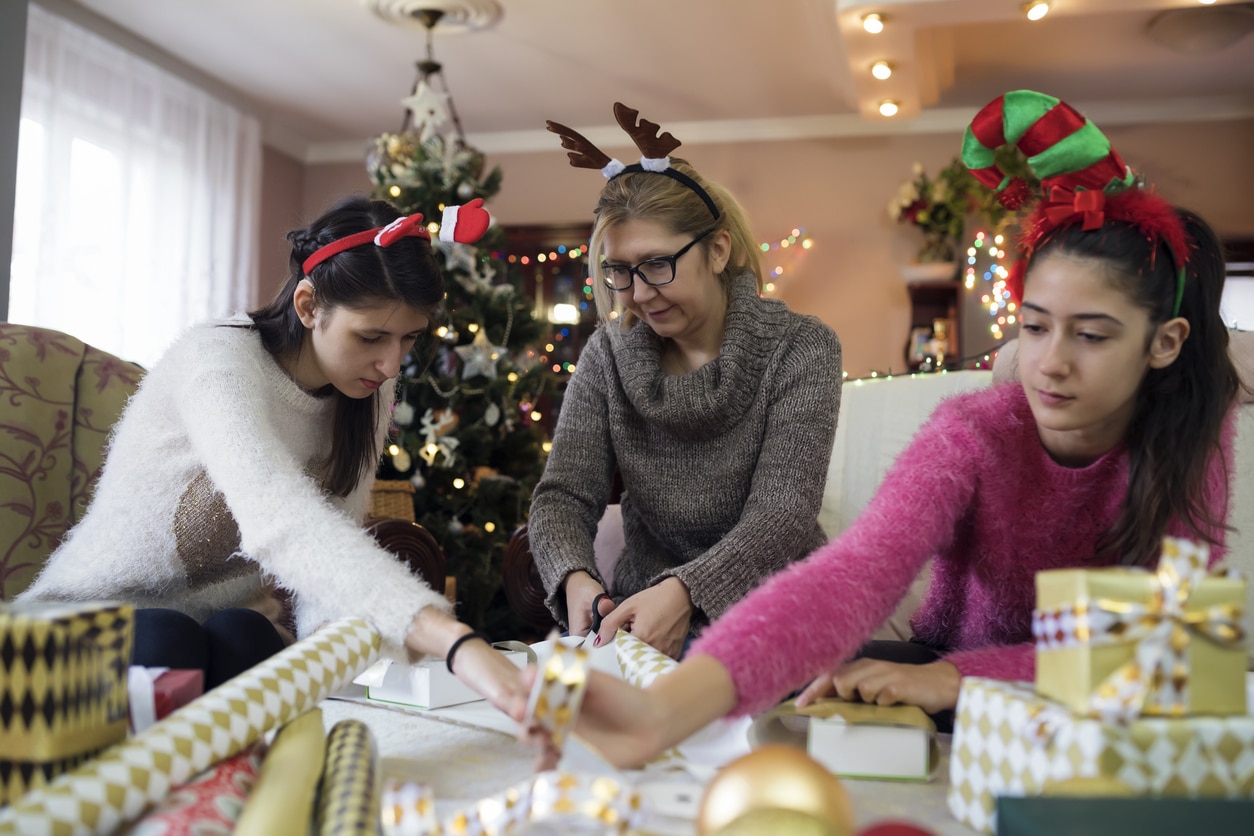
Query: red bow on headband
x=1062, y=203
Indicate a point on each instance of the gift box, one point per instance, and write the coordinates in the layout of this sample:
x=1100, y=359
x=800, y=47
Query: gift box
x=1121, y=642
x=1010, y=741
x=426, y=685
x=156, y=692
x=855, y=740
x=63, y=695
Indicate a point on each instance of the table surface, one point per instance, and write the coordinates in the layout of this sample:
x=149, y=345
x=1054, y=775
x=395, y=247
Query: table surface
x=463, y=763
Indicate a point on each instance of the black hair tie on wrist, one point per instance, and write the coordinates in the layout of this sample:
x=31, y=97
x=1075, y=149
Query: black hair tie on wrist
x=448, y=660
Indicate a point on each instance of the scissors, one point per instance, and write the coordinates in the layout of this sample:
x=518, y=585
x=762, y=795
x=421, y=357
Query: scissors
x=597, y=618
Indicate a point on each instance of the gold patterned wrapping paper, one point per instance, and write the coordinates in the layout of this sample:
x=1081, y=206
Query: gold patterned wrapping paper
x=1008, y=740
x=556, y=801
x=1121, y=642
x=283, y=799
x=348, y=802
x=63, y=693
x=557, y=694
x=123, y=781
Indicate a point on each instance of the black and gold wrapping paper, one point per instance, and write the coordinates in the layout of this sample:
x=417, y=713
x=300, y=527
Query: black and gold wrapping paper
x=63, y=695
x=350, y=797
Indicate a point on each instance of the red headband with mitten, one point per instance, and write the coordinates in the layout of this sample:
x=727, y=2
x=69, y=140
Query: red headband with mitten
x=463, y=224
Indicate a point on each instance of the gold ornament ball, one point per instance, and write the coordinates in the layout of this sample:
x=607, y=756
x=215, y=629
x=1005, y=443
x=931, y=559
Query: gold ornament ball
x=775, y=789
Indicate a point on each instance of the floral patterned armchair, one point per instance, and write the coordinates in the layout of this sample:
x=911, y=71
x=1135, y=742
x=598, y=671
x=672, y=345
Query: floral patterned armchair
x=59, y=398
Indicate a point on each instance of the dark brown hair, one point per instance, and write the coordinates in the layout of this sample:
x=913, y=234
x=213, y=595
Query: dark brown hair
x=364, y=276
x=1180, y=409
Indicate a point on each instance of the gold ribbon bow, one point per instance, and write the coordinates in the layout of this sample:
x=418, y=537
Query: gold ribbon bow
x=1156, y=679
x=1063, y=203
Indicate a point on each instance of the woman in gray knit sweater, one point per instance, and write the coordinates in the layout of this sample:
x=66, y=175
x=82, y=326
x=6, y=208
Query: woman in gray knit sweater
x=717, y=408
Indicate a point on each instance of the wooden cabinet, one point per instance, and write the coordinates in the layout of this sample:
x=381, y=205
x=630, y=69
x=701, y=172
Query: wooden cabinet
x=935, y=322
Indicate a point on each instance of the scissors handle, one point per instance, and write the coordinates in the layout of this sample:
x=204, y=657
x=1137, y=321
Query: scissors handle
x=596, y=612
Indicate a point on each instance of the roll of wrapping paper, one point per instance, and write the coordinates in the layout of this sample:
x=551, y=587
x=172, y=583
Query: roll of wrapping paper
x=120, y=784
x=283, y=799
x=557, y=693
x=562, y=801
x=349, y=802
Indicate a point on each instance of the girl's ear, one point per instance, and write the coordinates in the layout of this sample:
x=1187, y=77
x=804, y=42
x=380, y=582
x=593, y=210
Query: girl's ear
x=304, y=303
x=1167, y=342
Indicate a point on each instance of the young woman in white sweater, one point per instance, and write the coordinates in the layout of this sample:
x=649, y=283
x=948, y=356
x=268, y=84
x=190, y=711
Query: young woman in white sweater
x=244, y=463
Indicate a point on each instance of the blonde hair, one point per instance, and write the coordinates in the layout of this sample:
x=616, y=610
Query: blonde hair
x=648, y=196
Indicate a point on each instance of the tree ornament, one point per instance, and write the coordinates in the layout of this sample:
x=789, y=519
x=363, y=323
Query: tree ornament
x=417, y=480
x=465, y=190
x=480, y=357
x=401, y=460
x=455, y=526
x=775, y=789
x=403, y=415
x=492, y=415
x=430, y=109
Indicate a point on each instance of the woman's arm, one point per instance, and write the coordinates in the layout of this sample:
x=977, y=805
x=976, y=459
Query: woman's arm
x=572, y=494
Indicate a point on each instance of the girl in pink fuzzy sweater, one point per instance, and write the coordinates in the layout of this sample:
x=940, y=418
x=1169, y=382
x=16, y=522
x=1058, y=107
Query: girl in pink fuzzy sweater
x=1118, y=432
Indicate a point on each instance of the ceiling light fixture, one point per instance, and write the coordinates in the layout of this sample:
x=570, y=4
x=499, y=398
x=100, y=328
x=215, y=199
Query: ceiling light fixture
x=1036, y=9
x=882, y=70
x=888, y=107
x=873, y=23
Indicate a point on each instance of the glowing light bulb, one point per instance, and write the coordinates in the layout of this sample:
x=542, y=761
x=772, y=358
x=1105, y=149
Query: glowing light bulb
x=888, y=107
x=1036, y=9
x=882, y=70
x=473, y=327
x=489, y=527
x=459, y=483
x=873, y=23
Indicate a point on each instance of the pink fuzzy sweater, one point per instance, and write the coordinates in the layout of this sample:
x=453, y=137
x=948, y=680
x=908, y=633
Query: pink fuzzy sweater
x=976, y=492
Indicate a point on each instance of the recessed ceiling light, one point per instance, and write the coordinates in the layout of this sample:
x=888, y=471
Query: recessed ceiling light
x=888, y=107
x=873, y=23
x=1206, y=2
x=1036, y=9
x=881, y=70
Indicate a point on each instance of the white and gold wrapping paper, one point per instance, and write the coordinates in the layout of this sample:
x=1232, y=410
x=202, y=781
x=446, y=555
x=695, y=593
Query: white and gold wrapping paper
x=120, y=784
x=565, y=802
x=558, y=691
x=1008, y=740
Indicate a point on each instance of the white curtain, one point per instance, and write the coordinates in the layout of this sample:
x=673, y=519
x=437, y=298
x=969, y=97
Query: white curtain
x=137, y=196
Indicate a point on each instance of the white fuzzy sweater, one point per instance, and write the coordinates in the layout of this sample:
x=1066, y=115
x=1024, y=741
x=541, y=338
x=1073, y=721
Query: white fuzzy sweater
x=211, y=488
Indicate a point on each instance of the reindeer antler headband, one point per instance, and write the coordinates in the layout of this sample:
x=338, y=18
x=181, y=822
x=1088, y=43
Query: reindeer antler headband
x=654, y=148
x=1083, y=179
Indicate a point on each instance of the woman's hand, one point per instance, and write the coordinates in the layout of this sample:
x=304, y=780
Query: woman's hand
x=581, y=590
x=477, y=663
x=659, y=616
x=932, y=687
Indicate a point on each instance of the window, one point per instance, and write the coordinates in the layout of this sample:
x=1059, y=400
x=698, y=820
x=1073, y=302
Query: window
x=136, y=200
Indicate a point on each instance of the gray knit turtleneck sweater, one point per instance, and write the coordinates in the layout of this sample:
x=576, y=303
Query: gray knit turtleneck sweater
x=723, y=468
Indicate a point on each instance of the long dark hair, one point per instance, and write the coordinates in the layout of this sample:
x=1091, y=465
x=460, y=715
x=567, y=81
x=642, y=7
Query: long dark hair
x=360, y=277
x=1180, y=409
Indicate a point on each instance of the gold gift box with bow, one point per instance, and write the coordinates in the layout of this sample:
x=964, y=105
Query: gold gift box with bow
x=63, y=694
x=1120, y=642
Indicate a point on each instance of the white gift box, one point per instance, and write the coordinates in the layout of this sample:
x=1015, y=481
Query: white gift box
x=426, y=685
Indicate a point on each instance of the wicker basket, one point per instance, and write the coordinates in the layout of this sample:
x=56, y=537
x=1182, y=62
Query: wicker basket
x=392, y=499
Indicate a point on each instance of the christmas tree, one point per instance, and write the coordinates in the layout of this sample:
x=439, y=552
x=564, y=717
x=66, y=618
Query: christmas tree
x=467, y=433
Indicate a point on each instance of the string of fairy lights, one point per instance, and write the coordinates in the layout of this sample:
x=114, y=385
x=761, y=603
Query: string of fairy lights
x=994, y=294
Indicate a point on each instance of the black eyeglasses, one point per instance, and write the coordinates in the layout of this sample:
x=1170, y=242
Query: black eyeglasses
x=652, y=271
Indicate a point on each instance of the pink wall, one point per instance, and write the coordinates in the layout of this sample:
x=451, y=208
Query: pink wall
x=282, y=189
x=838, y=189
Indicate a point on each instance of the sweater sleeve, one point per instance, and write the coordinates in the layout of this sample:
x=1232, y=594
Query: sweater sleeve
x=779, y=515
x=287, y=524
x=571, y=496
x=814, y=615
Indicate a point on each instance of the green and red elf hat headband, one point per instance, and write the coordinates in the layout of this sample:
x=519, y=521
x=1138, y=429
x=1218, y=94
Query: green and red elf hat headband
x=463, y=224
x=1083, y=179
x=655, y=151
